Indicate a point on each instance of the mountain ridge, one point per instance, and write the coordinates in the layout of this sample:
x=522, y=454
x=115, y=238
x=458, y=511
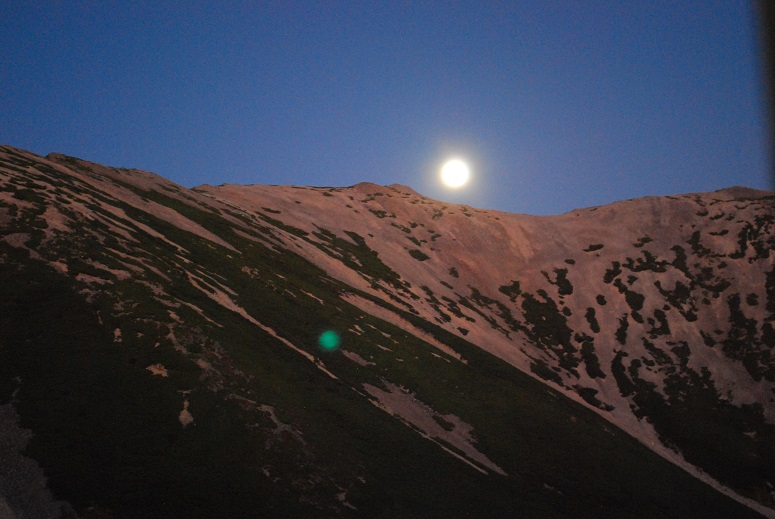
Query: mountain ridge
x=616, y=307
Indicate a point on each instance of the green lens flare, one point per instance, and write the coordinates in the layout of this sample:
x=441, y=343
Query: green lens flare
x=329, y=340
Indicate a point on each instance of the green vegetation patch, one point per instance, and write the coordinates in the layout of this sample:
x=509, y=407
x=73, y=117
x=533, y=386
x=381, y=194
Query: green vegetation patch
x=610, y=274
x=591, y=361
x=379, y=213
x=548, y=328
x=592, y=320
x=512, y=290
x=564, y=287
x=621, y=331
x=418, y=255
x=743, y=342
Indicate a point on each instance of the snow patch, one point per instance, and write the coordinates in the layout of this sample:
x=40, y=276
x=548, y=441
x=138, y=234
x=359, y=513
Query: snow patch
x=158, y=369
x=185, y=417
x=357, y=358
x=445, y=430
x=313, y=297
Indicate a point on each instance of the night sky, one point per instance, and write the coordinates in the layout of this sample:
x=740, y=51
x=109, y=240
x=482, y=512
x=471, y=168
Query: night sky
x=555, y=105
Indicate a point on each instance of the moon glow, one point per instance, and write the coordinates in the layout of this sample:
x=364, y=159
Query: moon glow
x=454, y=173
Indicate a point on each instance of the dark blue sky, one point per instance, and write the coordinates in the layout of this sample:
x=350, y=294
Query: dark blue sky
x=555, y=104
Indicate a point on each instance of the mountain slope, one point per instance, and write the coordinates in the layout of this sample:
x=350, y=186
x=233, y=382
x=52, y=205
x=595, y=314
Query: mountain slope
x=657, y=311
x=162, y=346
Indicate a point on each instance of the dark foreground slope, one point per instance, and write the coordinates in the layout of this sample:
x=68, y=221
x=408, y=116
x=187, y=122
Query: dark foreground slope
x=161, y=347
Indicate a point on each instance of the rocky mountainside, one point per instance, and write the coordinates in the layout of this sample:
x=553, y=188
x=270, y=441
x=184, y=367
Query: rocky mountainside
x=251, y=351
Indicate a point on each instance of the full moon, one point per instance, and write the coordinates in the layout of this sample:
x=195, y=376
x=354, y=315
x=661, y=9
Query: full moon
x=454, y=173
